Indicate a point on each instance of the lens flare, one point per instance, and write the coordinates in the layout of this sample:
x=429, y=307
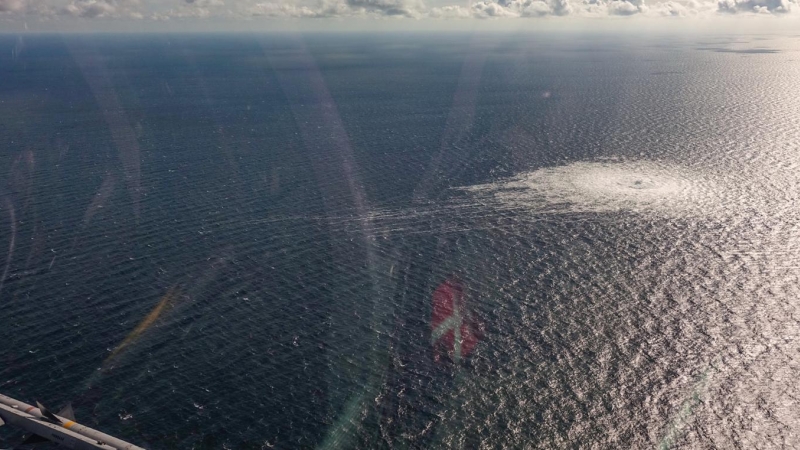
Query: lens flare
x=166, y=301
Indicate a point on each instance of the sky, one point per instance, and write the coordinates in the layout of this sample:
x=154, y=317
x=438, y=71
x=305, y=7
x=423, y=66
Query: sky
x=309, y=15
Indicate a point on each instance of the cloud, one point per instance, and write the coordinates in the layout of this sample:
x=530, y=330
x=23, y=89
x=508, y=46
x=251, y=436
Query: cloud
x=683, y=8
x=11, y=6
x=561, y=7
x=539, y=8
x=191, y=9
x=413, y=9
x=203, y=4
x=673, y=9
x=691, y=8
x=90, y=8
x=388, y=7
x=338, y=8
x=622, y=8
x=482, y=9
x=96, y=9
x=486, y=9
x=450, y=12
x=598, y=8
x=626, y=7
x=288, y=10
x=755, y=6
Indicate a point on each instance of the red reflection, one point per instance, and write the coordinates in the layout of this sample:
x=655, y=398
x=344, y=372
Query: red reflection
x=453, y=327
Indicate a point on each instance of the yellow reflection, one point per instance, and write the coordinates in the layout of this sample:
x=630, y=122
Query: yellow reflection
x=165, y=301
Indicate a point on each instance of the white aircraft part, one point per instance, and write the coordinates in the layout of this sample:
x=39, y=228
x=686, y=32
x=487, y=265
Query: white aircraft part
x=69, y=433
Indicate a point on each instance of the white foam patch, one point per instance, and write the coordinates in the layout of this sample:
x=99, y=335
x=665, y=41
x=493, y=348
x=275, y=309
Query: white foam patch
x=637, y=186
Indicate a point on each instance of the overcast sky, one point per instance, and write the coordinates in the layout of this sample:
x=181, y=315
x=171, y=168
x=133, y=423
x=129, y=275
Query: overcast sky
x=255, y=15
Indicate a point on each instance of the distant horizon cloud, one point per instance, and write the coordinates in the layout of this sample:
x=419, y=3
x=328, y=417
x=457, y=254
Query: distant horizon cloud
x=53, y=11
x=756, y=6
x=11, y=5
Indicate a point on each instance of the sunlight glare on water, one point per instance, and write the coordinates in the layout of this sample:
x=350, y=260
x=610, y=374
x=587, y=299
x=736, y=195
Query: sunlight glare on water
x=203, y=263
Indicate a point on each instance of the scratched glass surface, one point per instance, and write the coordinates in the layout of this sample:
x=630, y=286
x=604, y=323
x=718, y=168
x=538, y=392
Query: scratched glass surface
x=404, y=240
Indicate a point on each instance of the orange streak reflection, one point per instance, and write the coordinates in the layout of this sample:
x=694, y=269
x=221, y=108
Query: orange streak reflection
x=166, y=301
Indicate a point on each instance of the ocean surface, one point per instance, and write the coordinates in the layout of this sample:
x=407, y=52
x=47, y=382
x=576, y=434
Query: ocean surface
x=233, y=241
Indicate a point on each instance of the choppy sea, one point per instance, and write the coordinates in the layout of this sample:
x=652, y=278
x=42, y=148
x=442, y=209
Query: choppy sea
x=233, y=241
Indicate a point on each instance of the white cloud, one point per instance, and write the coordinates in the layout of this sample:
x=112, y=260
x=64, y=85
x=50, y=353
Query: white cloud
x=288, y=11
x=486, y=9
x=755, y=6
x=540, y=8
x=561, y=7
x=599, y=8
x=691, y=8
x=413, y=9
x=673, y=9
x=335, y=8
x=192, y=9
x=92, y=9
x=404, y=8
x=11, y=5
x=205, y=3
x=450, y=12
x=622, y=8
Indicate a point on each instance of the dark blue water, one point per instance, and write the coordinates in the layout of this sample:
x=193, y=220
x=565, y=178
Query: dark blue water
x=233, y=241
